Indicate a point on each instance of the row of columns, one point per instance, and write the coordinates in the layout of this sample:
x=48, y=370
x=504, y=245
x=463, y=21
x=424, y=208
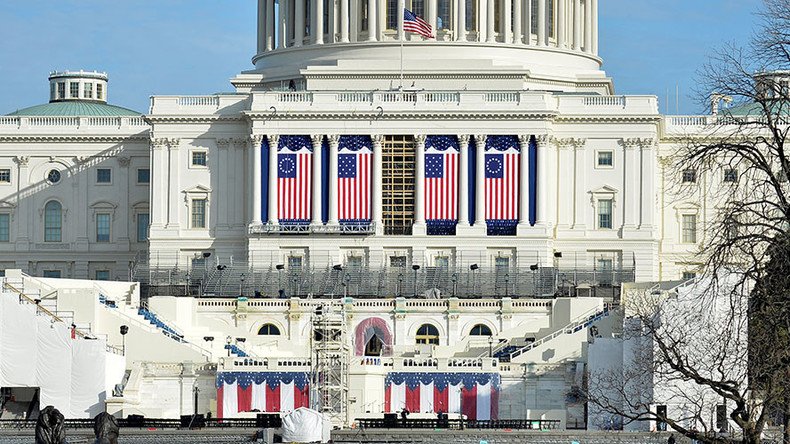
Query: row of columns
x=576, y=22
x=544, y=176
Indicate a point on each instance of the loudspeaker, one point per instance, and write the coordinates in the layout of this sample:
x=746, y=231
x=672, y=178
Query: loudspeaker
x=195, y=421
x=135, y=421
x=268, y=421
x=390, y=420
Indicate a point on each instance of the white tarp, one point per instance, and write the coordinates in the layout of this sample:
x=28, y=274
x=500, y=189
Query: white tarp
x=303, y=425
x=18, y=342
x=87, y=378
x=53, y=364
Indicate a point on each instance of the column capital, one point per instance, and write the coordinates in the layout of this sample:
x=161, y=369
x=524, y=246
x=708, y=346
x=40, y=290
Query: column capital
x=256, y=140
x=543, y=140
x=420, y=138
x=173, y=143
x=377, y=138
x=21, y=160
x=524, y=138
x=480, y=140
x=124, y=161
x=223, y=143
x=634, y=143
x=317, y=138
x=239, y=142
x=463, y=139
x=273, y=139
x=568, y=143
x=334, y=139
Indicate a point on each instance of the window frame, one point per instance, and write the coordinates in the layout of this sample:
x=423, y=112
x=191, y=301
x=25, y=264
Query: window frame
x=598, y=213
x=689, y=176
x=2, y=171
x=727, y=175
x=197, y=166
x=148, y=182
x=59, y=228
x=192, y=224
x=103, y=240
x=7, y=228
x=695, y=233
x=480, y=332
x=427, y=338
x=147, y=226
x=72, y=86
x=103, y=270
x=599, y=165
x=269, y=332
x=98, y=170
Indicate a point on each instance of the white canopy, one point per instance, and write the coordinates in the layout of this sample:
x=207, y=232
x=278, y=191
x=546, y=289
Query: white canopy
x=304, y=425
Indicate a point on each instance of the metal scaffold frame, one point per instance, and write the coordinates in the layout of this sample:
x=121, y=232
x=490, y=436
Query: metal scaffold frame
x=330, y=348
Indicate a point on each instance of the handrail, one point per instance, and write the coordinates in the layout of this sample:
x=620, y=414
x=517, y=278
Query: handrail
x=42, y=309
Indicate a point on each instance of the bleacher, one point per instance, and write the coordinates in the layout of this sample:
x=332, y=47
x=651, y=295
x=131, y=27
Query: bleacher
x=155, y=321
x=235, y=350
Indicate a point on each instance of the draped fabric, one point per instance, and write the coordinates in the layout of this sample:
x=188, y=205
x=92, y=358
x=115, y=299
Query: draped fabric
x=355, y=158
x=476, y=395
x=441, y=184
x=272, y=392
x=294, y=179
x=502, y=184
x=369, y=327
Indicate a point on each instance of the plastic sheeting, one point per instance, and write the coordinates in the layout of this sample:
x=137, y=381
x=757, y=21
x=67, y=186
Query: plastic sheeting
x=303, y=425
x=53, y=364
x=18, y=342
x=87, y=378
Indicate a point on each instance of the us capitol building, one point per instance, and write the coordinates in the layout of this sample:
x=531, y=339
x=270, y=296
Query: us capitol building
x=493, y=159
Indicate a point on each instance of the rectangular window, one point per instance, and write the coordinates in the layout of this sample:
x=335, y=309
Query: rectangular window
x=5, y=227
x=99, y=91
x=61, y=90
x=142, y=227
x=605, y=264
x=690, y=176
x=294, y=263
x=102, y=275
x=102, y=227
x=364, y=15
x=53, y=91
x=198, y=213
x=143, y=175
x=605, y=158
x=87, y=90
x=5, y=175
x=392, y=14
x=52, y=274
x=501, y=263
x=471, y=16
x=103, y=175
x=398, y=261
x=687, y=275
x=730, y=175
x=605, y=213
x=354, y=262
x=444, y=15
x=74, y=90
x=689, y=227
x=418, y=8
x=199, y=158
x=441, y=262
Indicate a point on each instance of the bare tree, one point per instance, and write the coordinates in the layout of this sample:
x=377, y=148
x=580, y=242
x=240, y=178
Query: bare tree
x=735, y=163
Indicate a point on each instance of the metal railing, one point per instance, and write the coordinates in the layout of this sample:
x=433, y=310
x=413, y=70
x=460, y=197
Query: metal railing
x=244, y=279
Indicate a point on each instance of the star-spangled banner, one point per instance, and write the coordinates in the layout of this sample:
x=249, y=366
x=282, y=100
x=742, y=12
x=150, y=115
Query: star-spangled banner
x=475, y=395
x=354, y=159
x=273, y=392
x=294, y=179
x=502, y=178
x=441, y=179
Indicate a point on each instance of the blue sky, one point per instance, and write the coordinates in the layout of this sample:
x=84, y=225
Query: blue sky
x=194, y=46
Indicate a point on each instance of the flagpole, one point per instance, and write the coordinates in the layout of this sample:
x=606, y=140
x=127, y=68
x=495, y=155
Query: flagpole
x=402, y=36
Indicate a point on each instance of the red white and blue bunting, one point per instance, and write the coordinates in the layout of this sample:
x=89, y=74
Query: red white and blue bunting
x=272, y=392
x=475, y=395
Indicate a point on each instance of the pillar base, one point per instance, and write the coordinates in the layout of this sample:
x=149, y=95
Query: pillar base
x=470, y=230
x=419, y=229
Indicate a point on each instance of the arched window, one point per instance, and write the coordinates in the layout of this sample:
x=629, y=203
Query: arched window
x=374, y=346
x=53, y=222
x=269, y=330
x=480, y=330
x=427, y=334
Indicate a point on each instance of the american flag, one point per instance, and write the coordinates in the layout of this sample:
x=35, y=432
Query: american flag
x=441, y=185
x=413, y=23
x=294, y=181
x=353, y=183
x=501, y=174
x=475, y=395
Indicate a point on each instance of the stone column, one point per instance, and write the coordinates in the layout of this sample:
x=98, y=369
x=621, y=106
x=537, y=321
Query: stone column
x=334, y=142
x=344, y=21
x=460, y=27
x=261, y=25
x=273, y=209
x=490, y=25
x=269, y=25
x=463, y=183
x=431, y=14
x=299, y=23
x=372, y=21
x=174, y=183
x=631, y=188
x=318, y=22
x=401, y=32
x=125, y=217
x=317, y=178
x=507, y=29
x=523, y=196
x=518, y=32
x=528, y=22
x=255, y=178
x=542, y=23
x=482, y=6
x=419, y=227
x=577, y=25
x=594, y=20
x=159, y=174
x=648, y=185
x=542, y=192
x=24, y=207
x=221, y=190
x=566, y=182
x=588, y=26
x=561, y=21
x=283, y=31
x=378, y=184
x=581, y=200
x=480, y=181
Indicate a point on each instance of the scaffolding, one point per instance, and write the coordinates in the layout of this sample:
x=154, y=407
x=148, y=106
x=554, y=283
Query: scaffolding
x=331, y=354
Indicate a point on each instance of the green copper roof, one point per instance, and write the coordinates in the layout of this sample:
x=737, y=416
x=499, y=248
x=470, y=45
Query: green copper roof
x=778, y=107
x=76, y=109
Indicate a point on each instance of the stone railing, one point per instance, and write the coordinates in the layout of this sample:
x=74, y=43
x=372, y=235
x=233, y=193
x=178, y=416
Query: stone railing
x=60, y=122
